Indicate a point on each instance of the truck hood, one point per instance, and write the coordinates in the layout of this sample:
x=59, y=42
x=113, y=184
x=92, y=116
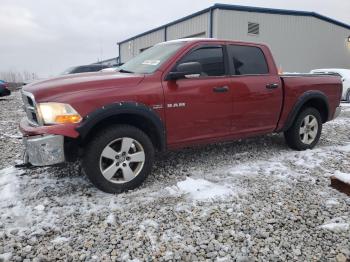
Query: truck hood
x=56, y=87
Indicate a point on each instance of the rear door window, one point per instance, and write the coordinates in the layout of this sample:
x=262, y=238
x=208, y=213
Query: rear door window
x=247, y=60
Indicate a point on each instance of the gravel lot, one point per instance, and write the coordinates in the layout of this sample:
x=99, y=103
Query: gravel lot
x=246, y=200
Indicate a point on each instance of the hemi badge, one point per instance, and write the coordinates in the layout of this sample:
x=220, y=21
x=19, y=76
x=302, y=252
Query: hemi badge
x=160, y=106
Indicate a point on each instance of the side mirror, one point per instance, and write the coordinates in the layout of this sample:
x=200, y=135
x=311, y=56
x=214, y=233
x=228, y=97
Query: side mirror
x=186, y=70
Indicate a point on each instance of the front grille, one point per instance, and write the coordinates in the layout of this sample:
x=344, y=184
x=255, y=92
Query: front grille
x=30, y=108
x=30, y=101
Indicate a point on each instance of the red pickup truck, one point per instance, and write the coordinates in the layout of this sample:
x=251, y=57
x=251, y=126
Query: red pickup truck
x=176, y=94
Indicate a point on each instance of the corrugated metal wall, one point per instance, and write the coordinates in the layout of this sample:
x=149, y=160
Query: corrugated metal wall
x=299, y=43
x=193, y=27
x=125, y=52
x=131, y=48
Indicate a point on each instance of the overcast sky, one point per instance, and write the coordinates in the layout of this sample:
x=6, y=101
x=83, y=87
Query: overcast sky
x=47, y=36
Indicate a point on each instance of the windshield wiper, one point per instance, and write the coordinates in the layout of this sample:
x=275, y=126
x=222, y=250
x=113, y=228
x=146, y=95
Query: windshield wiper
x=125, y=71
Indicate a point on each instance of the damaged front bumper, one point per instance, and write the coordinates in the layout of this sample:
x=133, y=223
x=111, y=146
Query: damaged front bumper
x=44, y=150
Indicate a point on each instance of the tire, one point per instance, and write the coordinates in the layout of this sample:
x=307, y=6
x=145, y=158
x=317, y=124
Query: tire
x=348, y=96
x=118, y=158
x=298, y=136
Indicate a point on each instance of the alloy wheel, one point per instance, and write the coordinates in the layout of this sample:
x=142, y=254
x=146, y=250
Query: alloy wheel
x=122, y=160
x=308, y=129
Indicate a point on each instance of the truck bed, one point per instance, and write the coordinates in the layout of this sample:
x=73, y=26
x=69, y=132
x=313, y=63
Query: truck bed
x=296, y=85
x=308, y=74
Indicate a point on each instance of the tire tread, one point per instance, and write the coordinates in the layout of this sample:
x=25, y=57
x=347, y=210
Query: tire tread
x=292, y=136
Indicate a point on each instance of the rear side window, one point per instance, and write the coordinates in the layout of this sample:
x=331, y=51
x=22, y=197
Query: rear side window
x=247, y=60
x=89, y=69
x=79, y=69
x=211, y=58
x=95, y=69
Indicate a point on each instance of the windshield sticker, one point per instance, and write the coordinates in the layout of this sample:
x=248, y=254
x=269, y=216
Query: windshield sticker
x=151, y=62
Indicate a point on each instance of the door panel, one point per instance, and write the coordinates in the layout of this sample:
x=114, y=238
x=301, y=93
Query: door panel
x=194, y=111
x=256, y=91
x=199, y=108
x=256, y=108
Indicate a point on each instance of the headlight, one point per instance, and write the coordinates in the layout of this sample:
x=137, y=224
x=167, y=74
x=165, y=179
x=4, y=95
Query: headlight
x=58, y=113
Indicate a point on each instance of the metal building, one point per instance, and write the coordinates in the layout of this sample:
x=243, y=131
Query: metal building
x=299, y=40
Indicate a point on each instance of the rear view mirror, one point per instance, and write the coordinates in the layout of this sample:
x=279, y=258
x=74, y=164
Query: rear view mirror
x=186, y=70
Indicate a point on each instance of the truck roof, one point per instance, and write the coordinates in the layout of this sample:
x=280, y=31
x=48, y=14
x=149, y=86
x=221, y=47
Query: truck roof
x=193, y=39
x=212, y=40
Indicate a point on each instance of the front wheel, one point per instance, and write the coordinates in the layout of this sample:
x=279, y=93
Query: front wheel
x=118, y=158
x=305, y=131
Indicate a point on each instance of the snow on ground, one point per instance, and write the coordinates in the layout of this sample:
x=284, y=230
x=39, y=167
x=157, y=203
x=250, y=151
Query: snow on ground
x=344, y=177
x=336, y=227
x=9, y=183
x=338, y=224
x=253, y=199
x=110, y=220
x=332, y=202
x=5, y=256
x=60, y=240
x=200, y=189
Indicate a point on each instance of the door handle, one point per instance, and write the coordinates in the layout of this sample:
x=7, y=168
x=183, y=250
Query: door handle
x=272, y=86
x=220, y=89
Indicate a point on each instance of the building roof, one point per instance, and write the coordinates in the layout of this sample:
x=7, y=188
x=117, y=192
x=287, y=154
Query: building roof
x=244, y=9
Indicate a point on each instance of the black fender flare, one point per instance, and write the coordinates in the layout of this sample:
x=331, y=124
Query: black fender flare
x=123, y=108
x=302, y=100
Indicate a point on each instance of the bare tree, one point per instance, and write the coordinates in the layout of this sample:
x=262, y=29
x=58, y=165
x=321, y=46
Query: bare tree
x=17, y=77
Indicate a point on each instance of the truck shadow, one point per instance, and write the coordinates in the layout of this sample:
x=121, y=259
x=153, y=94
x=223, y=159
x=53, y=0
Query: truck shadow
x=168, y=168
x=217, y=155
x=180, y=161
x=171, y=166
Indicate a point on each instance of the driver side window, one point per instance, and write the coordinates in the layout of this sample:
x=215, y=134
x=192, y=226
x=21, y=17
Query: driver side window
x=211, y=59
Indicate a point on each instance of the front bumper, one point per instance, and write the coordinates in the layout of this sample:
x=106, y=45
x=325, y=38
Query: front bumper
x=67, y=130
x=44, y=150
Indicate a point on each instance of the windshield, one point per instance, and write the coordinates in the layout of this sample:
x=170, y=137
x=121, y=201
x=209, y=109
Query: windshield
x=151, y=59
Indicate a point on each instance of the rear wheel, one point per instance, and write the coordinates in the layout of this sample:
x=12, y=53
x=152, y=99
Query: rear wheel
x=118, y=159
x=305, y=131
